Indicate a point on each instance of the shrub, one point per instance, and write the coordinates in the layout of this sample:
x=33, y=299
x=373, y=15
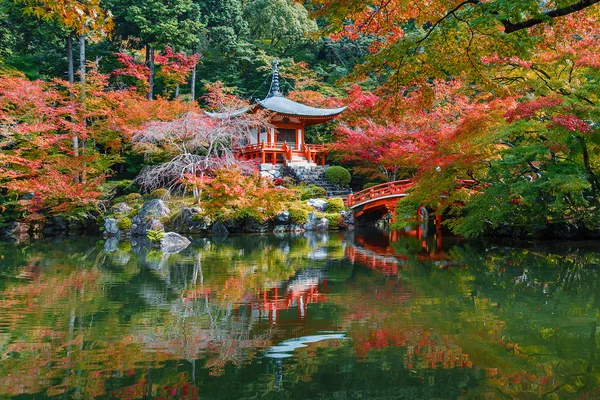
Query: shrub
x=335, y=205
x=133, y=198
x=370, y=184
x=298, y=216
x=124, y=224
x=338, y=176
x=159, y=194
x=278, y=182
x=312, y=192
x=155, y=236
x=335, y=220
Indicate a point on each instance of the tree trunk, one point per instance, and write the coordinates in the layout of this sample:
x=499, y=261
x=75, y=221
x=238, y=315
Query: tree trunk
x=177, y=91
x=150, y=56
x=82, y=59
x=70, y=59
x=193, y=84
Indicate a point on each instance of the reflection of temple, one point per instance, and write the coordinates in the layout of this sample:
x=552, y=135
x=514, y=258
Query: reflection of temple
x=307, y=287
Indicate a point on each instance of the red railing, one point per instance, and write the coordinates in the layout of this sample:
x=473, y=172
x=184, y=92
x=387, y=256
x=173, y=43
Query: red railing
x=376, y=192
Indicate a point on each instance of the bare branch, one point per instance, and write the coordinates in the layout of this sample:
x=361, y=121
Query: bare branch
x=560, y=12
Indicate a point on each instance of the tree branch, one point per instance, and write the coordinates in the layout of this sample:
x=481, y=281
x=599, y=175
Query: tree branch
x=560, y=12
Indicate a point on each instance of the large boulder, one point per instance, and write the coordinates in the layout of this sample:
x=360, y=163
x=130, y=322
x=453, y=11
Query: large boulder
x=110, y=227
x=173, y=242
x=16, y=231
x=218, y=229
x=317, y=204
x=348, y=217
x=311, y=224
x=283, y=218
x=153, y=209
x=322, y=225
x=187, y=220
x=154, y=225
x=256, y=226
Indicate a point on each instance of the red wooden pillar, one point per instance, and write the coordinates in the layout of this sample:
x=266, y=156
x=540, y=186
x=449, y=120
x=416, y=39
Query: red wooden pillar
x=274, y=158
x=322, y=159
x=438, y=222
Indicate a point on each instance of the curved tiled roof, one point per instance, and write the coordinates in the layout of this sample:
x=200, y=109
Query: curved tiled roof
x=281, y=105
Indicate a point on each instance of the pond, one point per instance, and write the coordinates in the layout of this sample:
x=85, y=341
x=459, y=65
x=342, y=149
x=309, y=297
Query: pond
x=365, y=314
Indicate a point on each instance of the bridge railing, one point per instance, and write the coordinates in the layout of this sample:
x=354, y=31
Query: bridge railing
x=375, y=192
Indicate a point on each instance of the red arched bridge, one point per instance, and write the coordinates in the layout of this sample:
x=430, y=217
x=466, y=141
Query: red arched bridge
x=378, y=198
x=383, y=198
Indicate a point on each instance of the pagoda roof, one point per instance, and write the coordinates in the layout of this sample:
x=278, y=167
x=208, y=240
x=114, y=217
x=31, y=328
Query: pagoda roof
x=282, y=105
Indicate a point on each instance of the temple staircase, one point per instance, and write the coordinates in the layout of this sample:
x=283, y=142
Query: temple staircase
x=310, y=173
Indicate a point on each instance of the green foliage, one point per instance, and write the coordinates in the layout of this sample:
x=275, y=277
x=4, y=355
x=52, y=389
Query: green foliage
x=335, y=205
x=155, y=236
x=124, y=224
x=298, y=216
x=133, y=198
x=335, y=220
x=159, y=194
x=312, y=192
x=338, y=176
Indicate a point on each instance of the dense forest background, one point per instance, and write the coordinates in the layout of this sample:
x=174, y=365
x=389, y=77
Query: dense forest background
x=490, y=107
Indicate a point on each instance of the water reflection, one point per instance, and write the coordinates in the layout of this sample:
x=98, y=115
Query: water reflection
x=375, y=314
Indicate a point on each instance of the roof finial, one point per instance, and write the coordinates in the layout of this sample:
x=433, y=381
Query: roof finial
x=275, y=81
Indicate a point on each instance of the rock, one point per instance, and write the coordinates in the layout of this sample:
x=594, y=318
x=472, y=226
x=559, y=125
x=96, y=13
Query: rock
x=234, y=225
x=311, y=224
x=173, y=242
x=110, y=227
x=348, y=217
x=280, y=229
x=276, y=174
x=218, y=229
x=153, y=209
x=121, y=208
x=154, y=225
x=255, y=226
x=75, y=228
x=322, y=225
x=267, y=167
x=17, y=232
x=317, y=204
x=111, y=244
x=297, y=228
x=186, y=221
x=265, y=174
x=283, y=218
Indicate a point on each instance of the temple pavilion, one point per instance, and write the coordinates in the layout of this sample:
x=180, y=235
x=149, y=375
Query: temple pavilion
x=284, y=143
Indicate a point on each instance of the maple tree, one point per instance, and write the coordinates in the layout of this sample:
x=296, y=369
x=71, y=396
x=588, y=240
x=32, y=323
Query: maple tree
x=198, y=143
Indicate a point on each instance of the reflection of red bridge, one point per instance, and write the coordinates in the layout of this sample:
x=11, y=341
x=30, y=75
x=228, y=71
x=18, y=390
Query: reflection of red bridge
x=385, y=196
x=385, y=259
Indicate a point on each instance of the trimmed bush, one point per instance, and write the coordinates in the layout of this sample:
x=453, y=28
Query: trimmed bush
x=159, y=194
x=335, y=220
x=298, y=216
x=133, y=198
x=312, y=191
x=124, y=224
x=335, y=205
x=338, y=176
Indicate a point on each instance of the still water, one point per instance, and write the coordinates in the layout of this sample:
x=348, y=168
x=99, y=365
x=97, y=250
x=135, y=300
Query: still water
x=365, y=315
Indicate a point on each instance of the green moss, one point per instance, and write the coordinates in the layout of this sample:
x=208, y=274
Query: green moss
x=159, y=194
x=133, y=198
x=335, y=205
x=124, y=224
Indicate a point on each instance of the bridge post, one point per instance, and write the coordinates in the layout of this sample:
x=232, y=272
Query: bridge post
x=438, y=222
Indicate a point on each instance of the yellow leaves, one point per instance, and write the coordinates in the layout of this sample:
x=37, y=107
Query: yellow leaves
x=79, y=16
